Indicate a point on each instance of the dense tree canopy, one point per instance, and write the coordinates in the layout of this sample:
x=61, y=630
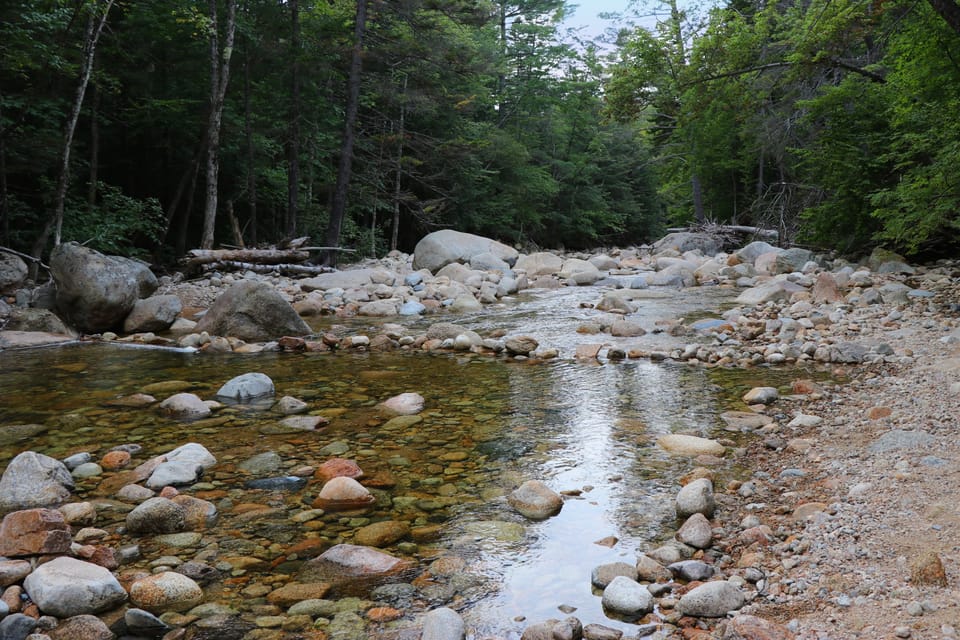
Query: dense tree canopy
x=153, y=127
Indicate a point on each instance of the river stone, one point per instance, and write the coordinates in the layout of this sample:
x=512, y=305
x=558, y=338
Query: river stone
x=342, y=494
x=744, y=627
x=13, y=571
x=66, y=587
x=348, y=279
x=175, y=473
x=604, y=574
x=381, y=534
x=246, y=387
x=465, y=304
x=34, y=532
x=825, y=290
x=336, y=467
x=443, y=624
x=185, y=406
x=198, y=513
x=252, y=311
x=34, y=480
x=411, y=308
x=520, y=345
x=745, y=421
x=649, y=570
x=690, y=445
x=143, y=623
x=711, y=600
x=17, y=626
x=761, y=395
x=36, y=320
x=96, y=292
x=262, y=464
x=155, y=313
x=440, y=248
x=567, y=629
x=535, y=500
x=13, y=273
x=156, y=515
x=770, y=291
x=696, y=532
x=754, y=250
x=85, y=627
x=166, y=591
x=405, y=404
x=627, y=597
x=626, y=329
x=344, y=562
x=691, y=570
x=541, y=263
x=696, y=497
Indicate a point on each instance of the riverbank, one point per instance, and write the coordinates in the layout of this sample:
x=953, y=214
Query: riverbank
x=862, y=506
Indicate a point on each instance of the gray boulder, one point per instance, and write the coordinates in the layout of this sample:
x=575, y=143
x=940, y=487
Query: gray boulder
x=248, y=386
x=711, y=600
x=440, y=248
x=66, y=587
x=153, y=314
x=31, y=319
x=157, y=515
x=13, y=272
x=349, y=279
x=754, y=250
x=627, y=597
x=567, y=629
x=542, y=263
x=34, y=480
x=696, y=497
x=252, y=311
x=95, y=292
x=684, y=241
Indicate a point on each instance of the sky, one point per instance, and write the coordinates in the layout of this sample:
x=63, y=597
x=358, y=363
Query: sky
x=585, y=15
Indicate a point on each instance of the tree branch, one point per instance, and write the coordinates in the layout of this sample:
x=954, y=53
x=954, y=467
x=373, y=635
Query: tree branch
x=876, y=77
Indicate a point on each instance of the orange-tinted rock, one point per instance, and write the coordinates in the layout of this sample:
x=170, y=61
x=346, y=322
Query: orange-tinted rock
x=115, y=460
x=169, y=492
x=343, y=494
x=338, y=467
x=292, y=343
x=12, y=597
x=587, y=351
x=875, y=413
x=383, y=614
x=309, y=548
x=294, y=592
x=928, y=570
x=745, y=627
x=34, y=532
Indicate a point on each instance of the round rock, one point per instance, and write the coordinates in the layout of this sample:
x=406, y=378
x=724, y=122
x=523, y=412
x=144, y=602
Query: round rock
x=167, y=591
x=696, y=497
x=66, y=587
x=627, y=597
x=247, y=387
x=535, y=500
x=711, y=600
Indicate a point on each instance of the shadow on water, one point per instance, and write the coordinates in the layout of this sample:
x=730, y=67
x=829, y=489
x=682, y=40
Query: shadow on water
x=586, y=429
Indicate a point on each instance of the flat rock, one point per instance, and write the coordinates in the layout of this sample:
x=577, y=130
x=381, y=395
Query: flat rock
x=690, y=445
x=898, y=440
x=166, y=591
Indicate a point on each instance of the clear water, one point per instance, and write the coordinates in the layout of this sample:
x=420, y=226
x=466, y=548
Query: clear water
x=489, y=424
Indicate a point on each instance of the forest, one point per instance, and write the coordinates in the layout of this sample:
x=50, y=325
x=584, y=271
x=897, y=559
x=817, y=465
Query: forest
x=150, y=128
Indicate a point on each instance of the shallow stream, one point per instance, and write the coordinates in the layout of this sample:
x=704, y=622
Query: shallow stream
x=489, y=424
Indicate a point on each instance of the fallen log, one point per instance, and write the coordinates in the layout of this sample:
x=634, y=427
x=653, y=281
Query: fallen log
x=197, y=257
x=287, y=269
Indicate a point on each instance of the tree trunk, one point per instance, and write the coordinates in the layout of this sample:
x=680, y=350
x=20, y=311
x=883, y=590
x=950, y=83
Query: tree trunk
x=395, y=226
x=698, y=212
x=4, y=200
x=251, y=164
x=949, y=10
x=339, y=206
x=219, y=78
x=94, y=149
x=95, y=23
x=293, y=144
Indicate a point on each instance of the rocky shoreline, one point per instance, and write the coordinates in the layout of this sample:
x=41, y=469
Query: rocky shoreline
x=845, y=529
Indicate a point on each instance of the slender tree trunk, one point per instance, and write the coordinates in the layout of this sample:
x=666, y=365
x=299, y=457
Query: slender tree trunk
x=95, y=22
x=219, y=78
x=94, y=148
x=293, y=144
x=395, y=226
x=949, y=10
x=251, y=163
x=339, y=206
x=4, y=199
x=698, y=212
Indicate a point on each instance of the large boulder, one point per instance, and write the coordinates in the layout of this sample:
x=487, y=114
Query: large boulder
x=684, y=241
x=353, y=566
x=13, y=272
x=440, y=248
x=66, y=587
x=34, y=480
x=349, y=279
x=95, y=292
x=252, y=311
x=36, y=320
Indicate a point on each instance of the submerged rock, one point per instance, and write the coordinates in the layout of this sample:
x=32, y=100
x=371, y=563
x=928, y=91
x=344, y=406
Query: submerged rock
x=535, y=500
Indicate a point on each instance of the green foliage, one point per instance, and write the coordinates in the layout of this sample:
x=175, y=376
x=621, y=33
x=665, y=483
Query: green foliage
x=116, y=224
